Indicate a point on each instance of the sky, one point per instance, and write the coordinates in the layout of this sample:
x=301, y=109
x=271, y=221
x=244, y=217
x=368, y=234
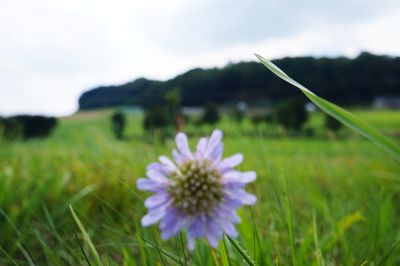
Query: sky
x=52, y=51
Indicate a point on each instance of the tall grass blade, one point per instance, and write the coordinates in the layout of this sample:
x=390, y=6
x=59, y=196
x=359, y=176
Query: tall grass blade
x=339, y=113
x=141, y=243
x=128, y=261
x=318, y=253
x=83, y=251
x=215, y=258
x=86, y=237
x=224, y=254
x=289, y=215
x=26, y=254
x=241, y=251
x=183, y=249
x=167, y=254
x=8, y=256
x=158, y=249
x=391, y=251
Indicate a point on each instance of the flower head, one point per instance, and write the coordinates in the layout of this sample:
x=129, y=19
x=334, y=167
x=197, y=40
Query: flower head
x=199, y=191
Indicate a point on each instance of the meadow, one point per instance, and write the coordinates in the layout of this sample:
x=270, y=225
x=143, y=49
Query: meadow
x=322, y=199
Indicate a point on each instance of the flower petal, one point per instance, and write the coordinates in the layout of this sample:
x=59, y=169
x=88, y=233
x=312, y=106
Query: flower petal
x=183, y=146
x=156, y=200
x=230, y=162
x=177, y=156
x=191, y=242
x=235, y=179
x=149, y=185
x=201, y=148
x=228, y=227
x=156, y=176
x=195, y=229
x=216, y=154
x=171, y=224
x=168, y=164
x=212, y=232
x=158, y=167
x=213, y=142
x=154, y=215
x=244, y=197
x=228, y=212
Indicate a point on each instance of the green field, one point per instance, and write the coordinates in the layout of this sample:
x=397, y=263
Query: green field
x=322, y=200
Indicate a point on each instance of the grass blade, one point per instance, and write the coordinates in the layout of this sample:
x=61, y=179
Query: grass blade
x=8, y=256
x=86, y=237
x=339, y=113
x=224, y=254
x=83, y=251
x=158, y=248
x=241, y=251
x=183, y=249
x=169, y=255
x=391, y=251
x=318, y=253
x=289, y=216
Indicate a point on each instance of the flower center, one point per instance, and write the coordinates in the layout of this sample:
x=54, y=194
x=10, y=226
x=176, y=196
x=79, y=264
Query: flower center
x=195, y=188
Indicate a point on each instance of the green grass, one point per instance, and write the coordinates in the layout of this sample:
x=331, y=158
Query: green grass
x=321, y=200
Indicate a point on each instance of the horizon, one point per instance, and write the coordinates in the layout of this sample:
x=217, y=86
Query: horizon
x=183, y=72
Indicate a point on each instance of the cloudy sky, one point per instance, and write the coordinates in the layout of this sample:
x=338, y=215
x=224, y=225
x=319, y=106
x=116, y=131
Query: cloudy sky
x=52, y=51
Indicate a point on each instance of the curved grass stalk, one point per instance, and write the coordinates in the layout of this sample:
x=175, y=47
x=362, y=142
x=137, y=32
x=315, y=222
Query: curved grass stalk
x=344, y=116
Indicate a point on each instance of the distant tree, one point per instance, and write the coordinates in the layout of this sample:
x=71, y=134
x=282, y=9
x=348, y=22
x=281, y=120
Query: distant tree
x=332, y=124
x=156, y=118
x=10, y=128
x=261, y=118
x=173, y=100
x=118, y=123
x=237, y=114
x=27, y=126
x=291, y=114
x=211, y=114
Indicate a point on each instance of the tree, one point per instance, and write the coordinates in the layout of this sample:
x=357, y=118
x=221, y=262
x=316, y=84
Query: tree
x=10, y=128
x=156, y=118
x=291, y=114
x=259, y=118
x=173, y=101
x=237, y=114
x=118, y=123
x=332, y=124
x=27, y=126
x=210, y=115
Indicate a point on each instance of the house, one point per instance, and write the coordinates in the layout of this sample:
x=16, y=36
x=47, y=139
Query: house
x=387, y=102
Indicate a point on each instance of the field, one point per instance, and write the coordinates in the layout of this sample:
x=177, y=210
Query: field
x=322, y=200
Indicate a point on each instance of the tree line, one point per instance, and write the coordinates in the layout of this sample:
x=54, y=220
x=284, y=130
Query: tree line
x=165, y=120
x=342, y=80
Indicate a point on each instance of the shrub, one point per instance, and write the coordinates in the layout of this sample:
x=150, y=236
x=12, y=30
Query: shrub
x=10, y=128
x=118, y=123
x=261, y=118
x=157, y=118
x=291, y=114
x=27, y=126
x=211, y=115
x=332, y=124
x=237, y=114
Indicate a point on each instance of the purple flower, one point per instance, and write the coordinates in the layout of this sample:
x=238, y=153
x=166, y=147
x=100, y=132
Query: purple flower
x=199, y=191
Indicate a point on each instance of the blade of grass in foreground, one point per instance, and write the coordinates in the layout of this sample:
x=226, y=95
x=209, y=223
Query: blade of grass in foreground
x=86, y=237
x=241, y=251
x=339, y=113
